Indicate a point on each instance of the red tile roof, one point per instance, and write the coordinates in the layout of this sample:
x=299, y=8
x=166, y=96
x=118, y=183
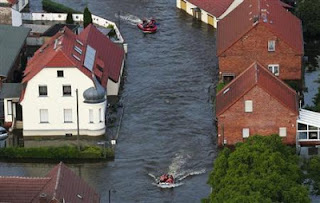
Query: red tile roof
x=20, y=189
x=59, y=51
x=12, y=2
x=256, y=75
x=60, y=183
x=214, y=7
x=241, y=20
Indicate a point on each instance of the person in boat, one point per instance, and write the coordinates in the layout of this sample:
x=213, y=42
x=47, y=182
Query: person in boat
x=144, y=22
x=170, y=179
x=163, y=178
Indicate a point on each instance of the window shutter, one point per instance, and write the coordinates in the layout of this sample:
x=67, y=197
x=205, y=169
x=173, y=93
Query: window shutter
x=283, y=132
x=245, y=132
x=248, y=107
x=67, y=115
x=44, y=117
x=90, y=116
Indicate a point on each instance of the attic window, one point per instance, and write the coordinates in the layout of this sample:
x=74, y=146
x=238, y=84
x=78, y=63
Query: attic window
x=77, y=49
x=226, y=90
x=74, y=56
x=271, y=45
x=248, y=107
x=79, y=42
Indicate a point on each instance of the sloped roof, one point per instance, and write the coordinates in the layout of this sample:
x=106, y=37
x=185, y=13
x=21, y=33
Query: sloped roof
x=12, y=40
x=256, y=75
x=309, y=117
x=214, y=7
x=10, y=90
x=60, y=51
x=242, y=19
x=60, y=183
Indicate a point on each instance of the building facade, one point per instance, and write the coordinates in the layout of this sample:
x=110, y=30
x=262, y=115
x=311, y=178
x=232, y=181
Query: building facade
x=67, y=73
x=260, y=31
x=256, y=102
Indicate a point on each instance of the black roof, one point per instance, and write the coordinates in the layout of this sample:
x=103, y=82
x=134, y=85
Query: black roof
x=57, y=27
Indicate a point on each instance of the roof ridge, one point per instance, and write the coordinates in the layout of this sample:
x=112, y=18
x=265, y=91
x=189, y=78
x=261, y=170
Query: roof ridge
x=25, y=177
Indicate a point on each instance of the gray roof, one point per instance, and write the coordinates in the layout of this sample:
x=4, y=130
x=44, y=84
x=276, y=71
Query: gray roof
x=37, y=28
x=10, y=90
x=11, y=41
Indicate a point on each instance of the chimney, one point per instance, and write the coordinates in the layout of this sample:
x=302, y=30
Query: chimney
x=43, y=198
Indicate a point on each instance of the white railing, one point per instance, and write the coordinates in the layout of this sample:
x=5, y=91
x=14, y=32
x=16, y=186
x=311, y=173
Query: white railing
x=76, y=17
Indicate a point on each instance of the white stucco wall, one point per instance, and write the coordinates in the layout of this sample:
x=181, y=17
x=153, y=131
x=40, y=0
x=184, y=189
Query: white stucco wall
x=16, y=18
x=112, y=87
x=55, y=102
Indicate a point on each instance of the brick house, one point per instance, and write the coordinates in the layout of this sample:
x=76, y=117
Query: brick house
x=263, y=31
x=256, y=102
x=60, y=185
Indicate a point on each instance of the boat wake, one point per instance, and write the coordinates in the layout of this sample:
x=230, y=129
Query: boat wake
x=129, y=18
x=176, y=169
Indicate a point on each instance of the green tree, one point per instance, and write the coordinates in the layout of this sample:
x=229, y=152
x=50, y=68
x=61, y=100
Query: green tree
x=87, y=18
x=308, y=12
x=260, y=170
x=69, y=19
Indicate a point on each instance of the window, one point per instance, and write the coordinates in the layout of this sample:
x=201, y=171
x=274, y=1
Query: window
x=274, y=68
x=90, y=116
x=248, y=107
x=9, y=105
x=44, y=118
x=271, y=45
x=60, y=73
x=245, y=132
x=77, y=49
x=282, y=132
x=100, y=115
x=43, y=90
x=68, y=115
x=66, y=90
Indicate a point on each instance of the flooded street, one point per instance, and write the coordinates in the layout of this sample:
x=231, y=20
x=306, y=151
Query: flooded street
x=168, y=120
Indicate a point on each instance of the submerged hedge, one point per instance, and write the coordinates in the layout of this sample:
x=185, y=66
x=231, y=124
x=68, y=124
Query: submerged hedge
x=64, y=152
x=54, y=7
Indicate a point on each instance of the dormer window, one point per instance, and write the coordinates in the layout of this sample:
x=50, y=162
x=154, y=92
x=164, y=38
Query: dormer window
x=274, y=68
x=271, y=45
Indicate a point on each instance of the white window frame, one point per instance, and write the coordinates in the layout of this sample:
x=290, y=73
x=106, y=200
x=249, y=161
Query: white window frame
x=44, y=115
x=91, y=116
x=271, y=45
x=46, y=90
x=67, y=115
x=248, y=106
x=283, y=132
x=9, y=107
x=60, y=71
x=245, y=132
x=63, y=93
x=272, y=69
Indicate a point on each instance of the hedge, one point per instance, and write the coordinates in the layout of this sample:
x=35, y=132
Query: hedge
x=64, y=152
x=54, y=7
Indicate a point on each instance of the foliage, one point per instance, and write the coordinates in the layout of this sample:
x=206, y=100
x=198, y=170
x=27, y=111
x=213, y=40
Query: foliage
x=316, y=102
x=64, y=152
x=260, y=170
x=313, y=168
x=308, y=12
x=220, y=86
x=87, y=17
x=69, y=19
x=54, y=7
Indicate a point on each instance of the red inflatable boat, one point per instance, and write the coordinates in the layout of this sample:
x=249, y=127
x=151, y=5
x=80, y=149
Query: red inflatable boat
x=148, y=27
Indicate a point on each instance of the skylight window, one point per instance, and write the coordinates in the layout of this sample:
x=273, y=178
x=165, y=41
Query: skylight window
x=226, y=90
x=89, y=58
x=77, y=49
x=79, y=42
x=74, y=56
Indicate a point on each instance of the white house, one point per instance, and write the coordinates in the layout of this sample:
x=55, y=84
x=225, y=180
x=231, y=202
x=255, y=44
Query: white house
x=208, y=11
x=88, y=63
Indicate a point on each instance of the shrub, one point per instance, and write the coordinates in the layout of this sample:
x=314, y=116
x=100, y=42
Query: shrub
x=69, y=19
x=87, y=17
x=64, y=152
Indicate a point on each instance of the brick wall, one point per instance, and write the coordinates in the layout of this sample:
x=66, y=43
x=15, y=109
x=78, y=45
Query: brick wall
x=254, y=47
x=267, y=117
